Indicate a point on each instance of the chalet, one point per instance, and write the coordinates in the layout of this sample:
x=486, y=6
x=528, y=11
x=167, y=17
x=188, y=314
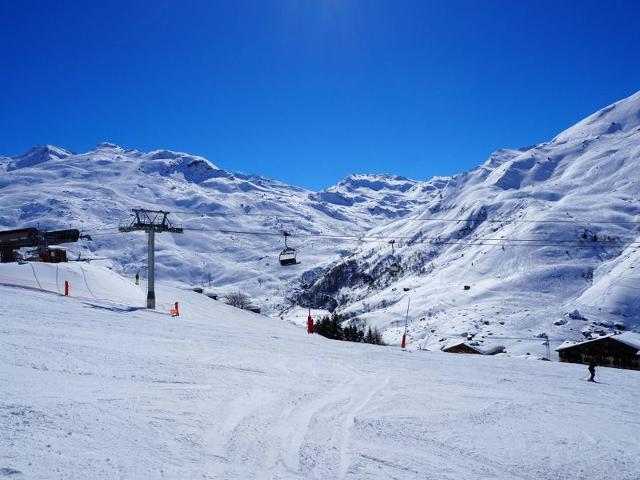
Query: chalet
x=618, y=350
x=473, y=348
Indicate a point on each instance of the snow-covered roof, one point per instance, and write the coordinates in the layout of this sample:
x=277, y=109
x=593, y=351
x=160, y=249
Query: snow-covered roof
x=567, y=344
x=490, y=349
x=628, y=338
x=481, y=349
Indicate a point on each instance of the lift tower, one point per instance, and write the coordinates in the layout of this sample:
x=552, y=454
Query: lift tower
x=152, y=222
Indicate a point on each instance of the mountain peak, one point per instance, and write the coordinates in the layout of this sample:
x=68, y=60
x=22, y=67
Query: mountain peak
x=375, y=182
x=619, y=117
x=107, y=145
x=383, y=195
x=193, y=167
x=38, y=154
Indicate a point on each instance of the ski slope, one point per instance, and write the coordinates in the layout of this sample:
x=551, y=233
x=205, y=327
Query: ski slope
x=536, y=233
x=94, y=387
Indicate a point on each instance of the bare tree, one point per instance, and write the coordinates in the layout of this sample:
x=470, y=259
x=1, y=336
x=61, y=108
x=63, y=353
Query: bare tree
x=238, y=299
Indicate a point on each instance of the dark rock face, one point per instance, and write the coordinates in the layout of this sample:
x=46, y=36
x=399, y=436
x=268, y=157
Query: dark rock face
x=323, y=293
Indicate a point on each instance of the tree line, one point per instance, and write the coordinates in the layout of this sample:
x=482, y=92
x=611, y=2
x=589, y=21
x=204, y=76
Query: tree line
x=331, y=327
x=328, y=326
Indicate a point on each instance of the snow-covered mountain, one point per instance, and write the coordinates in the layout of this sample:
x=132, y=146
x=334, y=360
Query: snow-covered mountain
x=95, y=191
x=532, y=241
x=383, y=196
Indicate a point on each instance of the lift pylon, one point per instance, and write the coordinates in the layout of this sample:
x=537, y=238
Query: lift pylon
x=151, y=222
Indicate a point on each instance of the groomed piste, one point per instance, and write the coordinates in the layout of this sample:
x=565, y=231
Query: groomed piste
x=94, y=386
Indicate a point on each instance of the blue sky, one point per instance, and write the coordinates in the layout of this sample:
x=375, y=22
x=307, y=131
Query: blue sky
x=308, y=91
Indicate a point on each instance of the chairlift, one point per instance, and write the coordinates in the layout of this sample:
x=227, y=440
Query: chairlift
x=394, y=268
x=288, y=255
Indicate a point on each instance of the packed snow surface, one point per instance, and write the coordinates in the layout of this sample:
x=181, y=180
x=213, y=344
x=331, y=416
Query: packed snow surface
x=95, y=387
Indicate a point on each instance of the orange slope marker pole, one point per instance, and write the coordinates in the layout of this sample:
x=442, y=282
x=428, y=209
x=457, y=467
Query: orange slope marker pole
x=309, y=323
x=403, y=345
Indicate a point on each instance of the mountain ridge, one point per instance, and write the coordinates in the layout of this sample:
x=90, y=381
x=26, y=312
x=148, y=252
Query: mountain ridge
x=546, y=192
x=95, y=190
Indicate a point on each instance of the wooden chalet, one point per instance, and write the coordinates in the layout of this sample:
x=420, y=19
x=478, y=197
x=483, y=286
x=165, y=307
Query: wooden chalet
x=618, y=350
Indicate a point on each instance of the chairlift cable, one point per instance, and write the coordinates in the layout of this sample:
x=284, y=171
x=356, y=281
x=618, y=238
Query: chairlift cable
x=427, y=219
x=410, y=239
x=481, y=241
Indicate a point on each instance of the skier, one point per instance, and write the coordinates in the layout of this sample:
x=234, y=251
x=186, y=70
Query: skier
x=592, y=371
x=137, y=279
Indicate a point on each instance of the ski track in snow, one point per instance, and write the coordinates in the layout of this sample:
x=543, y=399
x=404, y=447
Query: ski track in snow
x=103, y=389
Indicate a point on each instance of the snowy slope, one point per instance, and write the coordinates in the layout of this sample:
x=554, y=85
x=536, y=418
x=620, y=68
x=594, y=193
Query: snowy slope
x=94, y=388
x=95, y=191
x=534, y=233
x=527, y=232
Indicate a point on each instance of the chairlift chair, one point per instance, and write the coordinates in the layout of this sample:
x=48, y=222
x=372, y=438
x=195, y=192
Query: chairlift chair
x=393, y=268
x=288, y=255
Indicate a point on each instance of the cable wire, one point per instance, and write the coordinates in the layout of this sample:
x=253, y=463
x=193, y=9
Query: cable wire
x=480, y=219
x=432, y=240
x=479, y=241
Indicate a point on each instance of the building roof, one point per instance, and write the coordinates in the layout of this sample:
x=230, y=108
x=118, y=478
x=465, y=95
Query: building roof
x=481, y=349
x=455, y=343
x=631, y=339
